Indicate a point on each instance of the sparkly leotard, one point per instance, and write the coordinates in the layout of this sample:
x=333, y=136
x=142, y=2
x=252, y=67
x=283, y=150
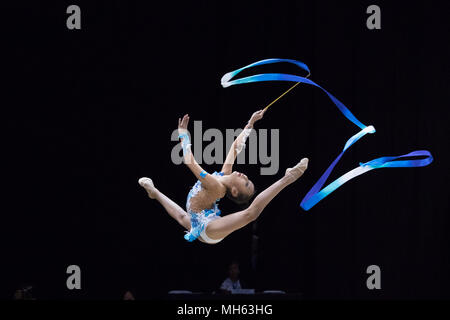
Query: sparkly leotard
x=199, y=220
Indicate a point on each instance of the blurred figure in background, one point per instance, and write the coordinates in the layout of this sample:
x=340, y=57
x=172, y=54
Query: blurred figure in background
x=232, y=282
x=128, y=296
x=24, y=293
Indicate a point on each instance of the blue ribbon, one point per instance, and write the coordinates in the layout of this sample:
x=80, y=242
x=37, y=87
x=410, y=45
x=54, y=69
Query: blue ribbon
x=316, y=194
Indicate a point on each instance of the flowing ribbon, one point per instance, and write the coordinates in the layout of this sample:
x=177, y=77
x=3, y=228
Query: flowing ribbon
x=316, y=194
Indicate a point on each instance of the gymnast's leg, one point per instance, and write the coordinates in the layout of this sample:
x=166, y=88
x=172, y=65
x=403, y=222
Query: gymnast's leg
x=174, y=210
x=220, y=228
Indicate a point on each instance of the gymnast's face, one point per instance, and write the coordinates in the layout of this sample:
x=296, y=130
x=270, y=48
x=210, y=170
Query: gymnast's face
x=242, y=187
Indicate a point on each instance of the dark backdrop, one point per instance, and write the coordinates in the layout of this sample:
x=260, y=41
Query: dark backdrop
x=88, y=112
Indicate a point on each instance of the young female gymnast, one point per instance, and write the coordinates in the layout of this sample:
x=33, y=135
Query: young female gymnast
x=202, y=216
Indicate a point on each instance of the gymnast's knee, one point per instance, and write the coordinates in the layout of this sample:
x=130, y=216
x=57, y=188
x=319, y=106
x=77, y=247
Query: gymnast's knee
x=251, y=214
x=183, y=219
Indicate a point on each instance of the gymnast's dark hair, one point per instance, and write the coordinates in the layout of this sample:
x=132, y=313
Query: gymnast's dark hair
x=242, y=200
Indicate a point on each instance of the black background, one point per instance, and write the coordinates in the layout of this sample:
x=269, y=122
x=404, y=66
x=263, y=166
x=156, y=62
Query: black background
x=87, y=112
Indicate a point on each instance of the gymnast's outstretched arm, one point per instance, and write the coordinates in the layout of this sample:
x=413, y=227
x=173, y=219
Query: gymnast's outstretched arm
x=207, y=180
x=239, y=143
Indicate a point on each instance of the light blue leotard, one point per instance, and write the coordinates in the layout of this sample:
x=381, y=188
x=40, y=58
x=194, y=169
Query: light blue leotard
x=199, y=220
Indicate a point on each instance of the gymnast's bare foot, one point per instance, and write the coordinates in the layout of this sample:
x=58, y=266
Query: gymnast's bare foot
x=148, y=185
x=292, y=174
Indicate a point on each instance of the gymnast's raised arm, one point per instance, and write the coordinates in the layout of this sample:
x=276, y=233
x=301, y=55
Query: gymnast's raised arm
x=207, y=180
x=239, y=143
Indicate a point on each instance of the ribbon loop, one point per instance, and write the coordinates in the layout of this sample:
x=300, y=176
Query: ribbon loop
x=315, y=194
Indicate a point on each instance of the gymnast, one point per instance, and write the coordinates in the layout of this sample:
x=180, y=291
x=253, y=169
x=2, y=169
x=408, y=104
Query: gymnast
x=202, y=216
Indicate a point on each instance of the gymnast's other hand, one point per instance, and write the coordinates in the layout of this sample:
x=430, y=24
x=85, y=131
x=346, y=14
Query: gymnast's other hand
x=256, y=116
x=183, y=124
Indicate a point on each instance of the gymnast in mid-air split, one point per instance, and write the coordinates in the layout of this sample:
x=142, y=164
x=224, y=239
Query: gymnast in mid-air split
x=202, y=217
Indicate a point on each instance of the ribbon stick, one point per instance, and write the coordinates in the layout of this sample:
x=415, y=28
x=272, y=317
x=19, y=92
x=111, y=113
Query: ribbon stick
x=316, y=194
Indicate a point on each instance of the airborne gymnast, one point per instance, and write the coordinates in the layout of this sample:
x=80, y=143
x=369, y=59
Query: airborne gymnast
x=202, y=218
